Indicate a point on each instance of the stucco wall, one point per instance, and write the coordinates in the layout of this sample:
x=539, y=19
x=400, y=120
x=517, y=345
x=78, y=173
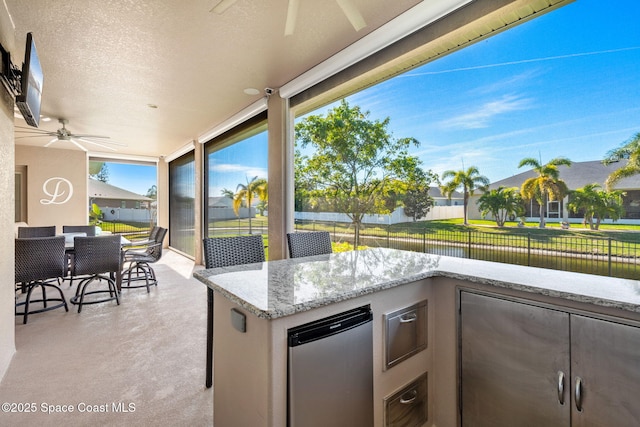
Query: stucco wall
x=57, y=192
x=7, y=328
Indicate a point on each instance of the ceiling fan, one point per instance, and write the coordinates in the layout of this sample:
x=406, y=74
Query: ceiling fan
x=64, y=134
x=348, y=8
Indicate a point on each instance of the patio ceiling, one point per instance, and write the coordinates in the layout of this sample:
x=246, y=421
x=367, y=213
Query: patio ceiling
x=107, y=64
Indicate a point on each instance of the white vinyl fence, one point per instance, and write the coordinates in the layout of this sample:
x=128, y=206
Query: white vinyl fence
x=397, y=216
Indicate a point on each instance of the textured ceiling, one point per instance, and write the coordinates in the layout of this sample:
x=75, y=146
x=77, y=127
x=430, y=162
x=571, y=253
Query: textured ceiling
x=105, y=61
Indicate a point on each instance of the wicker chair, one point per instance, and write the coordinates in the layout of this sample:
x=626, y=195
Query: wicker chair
x=90, y=230
x=39, y=262
x=46, y=231
x=309, y=243
x=97, y=259
x=139, y=260
x=224, y=252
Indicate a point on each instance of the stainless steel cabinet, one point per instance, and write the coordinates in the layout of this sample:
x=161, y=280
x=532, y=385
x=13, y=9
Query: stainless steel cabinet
x=527, y=365
x=405, y=333
x=605, y=366
x=408, y=406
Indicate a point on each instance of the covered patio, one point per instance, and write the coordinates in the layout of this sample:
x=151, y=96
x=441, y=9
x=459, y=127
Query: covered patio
x=140, y=363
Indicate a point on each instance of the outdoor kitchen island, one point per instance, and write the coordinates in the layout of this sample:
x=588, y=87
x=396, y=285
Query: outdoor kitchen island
x=256, y=304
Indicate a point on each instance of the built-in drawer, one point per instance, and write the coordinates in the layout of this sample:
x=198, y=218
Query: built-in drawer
x=405, y=333
x=408, y=406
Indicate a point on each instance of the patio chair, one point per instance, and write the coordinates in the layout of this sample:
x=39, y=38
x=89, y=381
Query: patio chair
x=97, y=259
x=46, y=231
x=140, y=259
x=146, y=240
x=309, y=243
x=39, y=262
x=224, y=252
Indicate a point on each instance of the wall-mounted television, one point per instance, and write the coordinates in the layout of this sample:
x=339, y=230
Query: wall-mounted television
x=30, y=95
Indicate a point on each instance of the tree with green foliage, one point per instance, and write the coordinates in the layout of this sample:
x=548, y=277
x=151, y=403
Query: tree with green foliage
x=245, y=193
x=99, y=171
x=417, y=202
x=227, y=193
x=355, y=162
x=468, y=180
x=596, y=203
x=584, y=199
x=152, y=192
x=547, y=185
x=95, y=214
x=501, y=203
x=629, y=150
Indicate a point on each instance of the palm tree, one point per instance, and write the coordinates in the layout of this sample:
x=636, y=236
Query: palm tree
x=611, y=205
x=547, y=185
x=246, y=193
x=501, y=203
x=470, y=181
x=629, y=150
x=585, y=199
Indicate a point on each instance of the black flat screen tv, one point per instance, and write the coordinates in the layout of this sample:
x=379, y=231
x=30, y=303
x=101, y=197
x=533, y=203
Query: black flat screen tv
x=30, y=96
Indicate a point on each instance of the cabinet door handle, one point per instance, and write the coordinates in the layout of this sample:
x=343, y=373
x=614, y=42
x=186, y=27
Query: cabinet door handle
x=410, y=400
x=579, y=394
x=561, y=387
x=408, y=317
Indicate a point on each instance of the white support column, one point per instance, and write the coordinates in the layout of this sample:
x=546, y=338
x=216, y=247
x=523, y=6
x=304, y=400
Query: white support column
x=280, y=175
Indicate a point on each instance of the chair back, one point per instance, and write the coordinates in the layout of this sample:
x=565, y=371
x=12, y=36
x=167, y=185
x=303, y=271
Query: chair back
x=39, y=258
x=97, y=254
x=46, y=231
x=154, y=232
x=226, y=251
x=155, y=250
x=89, y=229
x=309, y=243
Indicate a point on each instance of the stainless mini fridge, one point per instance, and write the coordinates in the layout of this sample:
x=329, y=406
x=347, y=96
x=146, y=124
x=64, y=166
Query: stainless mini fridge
x=330, y=378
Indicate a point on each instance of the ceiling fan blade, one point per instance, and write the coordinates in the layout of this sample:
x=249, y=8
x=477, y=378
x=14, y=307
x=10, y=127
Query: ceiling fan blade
x=222, y=6
x=97, y=143
x=50, y=142
x=74, y=142
x=78, y=135
x=292, y=15
x=33, y=136
x=352, y=13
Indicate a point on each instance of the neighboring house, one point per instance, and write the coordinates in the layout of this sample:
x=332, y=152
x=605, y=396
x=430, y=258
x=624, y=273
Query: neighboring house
x=221, y=208
x=575, y=176
x=457, y=198
x=119, y=204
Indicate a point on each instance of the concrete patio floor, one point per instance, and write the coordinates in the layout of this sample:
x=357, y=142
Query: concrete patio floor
x=141, y=363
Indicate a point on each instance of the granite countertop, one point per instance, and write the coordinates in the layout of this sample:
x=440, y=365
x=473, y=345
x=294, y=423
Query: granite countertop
x=280, y=288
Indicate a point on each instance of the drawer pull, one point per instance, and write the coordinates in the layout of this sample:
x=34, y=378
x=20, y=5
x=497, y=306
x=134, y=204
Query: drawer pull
x=561, y=387
x=409, y=317
x=410, y=400
x=579, y=394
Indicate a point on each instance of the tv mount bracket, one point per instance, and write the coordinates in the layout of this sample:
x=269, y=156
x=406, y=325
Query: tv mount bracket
x=10, y=75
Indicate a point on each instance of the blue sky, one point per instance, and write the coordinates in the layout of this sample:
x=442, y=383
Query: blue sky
x=564, y=84
x=135, y=178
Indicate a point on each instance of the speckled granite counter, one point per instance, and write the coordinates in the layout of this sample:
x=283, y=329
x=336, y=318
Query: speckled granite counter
x=280, y=288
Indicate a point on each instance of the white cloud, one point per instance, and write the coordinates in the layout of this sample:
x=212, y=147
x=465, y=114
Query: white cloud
x=481, y=116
